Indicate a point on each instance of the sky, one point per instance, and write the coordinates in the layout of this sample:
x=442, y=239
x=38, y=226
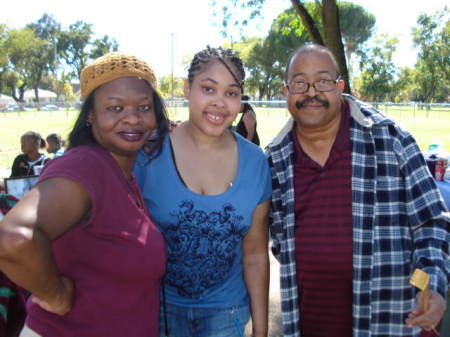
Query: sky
x=163, y=33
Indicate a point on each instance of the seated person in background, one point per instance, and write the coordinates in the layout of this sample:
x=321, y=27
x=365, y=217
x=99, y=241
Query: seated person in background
x=55, y=144
x=246, y=126
x=31, y=161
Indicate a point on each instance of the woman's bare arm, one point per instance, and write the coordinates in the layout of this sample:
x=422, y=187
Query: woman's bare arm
x=256, y=269
x=26, y=232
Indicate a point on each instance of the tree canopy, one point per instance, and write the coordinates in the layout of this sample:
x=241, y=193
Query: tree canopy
x=378, y=70
x=431, y=37
x=266, y=58
x=376, y=78
x=31, y=55
x=330, y=35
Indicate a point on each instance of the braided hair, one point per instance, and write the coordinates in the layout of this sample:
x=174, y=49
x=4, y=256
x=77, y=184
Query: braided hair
x=225, y=56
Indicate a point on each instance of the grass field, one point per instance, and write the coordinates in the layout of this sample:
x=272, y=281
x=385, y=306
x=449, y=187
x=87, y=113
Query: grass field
x=427, y=127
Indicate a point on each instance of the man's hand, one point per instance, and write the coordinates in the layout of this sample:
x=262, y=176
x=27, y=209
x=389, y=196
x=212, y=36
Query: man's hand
x=429, y=319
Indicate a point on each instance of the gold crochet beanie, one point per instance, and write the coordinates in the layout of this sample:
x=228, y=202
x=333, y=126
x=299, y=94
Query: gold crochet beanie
x=110, y=67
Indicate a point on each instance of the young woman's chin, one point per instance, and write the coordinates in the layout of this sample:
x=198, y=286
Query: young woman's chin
x=217, y=130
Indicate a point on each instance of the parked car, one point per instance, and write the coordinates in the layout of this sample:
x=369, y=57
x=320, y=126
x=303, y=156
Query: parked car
x=49, y=107
x=13, y=108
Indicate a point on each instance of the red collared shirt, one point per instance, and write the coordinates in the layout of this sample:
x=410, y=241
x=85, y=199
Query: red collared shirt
x=323, y=219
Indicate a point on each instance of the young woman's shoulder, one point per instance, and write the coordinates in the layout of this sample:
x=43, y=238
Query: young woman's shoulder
x=252, y=154
x=248, y=148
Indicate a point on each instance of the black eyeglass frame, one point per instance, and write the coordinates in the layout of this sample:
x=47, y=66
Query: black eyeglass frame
x=313, y=84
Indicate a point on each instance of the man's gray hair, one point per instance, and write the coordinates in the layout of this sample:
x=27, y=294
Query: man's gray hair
x=310, y=48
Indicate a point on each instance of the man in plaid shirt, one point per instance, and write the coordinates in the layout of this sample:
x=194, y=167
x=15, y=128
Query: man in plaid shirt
x=354, y=212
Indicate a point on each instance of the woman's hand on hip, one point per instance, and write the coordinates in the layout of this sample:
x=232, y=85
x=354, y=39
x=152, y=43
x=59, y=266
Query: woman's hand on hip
x=63, y=300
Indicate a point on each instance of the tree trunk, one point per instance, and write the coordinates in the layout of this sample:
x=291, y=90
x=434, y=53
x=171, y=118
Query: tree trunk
x=333, y=38
x=308, y=22
x=22, y=92
x=261, y=92
x=36, y=96
x=19, y=99
x=13, y=93
x=332, y=33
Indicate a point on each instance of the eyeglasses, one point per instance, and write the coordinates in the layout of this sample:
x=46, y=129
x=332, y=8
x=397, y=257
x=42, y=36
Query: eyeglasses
x=323, y=85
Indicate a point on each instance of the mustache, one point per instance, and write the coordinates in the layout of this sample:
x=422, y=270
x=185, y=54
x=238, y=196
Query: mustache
x=301, y=104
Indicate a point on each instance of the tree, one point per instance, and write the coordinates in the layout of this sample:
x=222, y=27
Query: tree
x=29, y=57
x=3, y=55
x=378, y=70
x=263, y=69
x=165, y=86
x=329, y=17
x=10, y=80
x=265, y=59
x=23, y=49
x=60, y=85
x=103, y=46
x=405, y=86
x=356, y=26
x=48, y=29
x=66, y=92
x=77, y=49
x=41, y=57
x=45, y=60
x=72, y=45
x=431, y=37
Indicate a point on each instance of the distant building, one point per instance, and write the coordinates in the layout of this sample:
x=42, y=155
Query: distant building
x=45, y=96
x=6, y=101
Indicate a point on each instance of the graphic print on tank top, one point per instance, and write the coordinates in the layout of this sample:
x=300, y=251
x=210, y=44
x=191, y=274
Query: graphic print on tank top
x=202, y=247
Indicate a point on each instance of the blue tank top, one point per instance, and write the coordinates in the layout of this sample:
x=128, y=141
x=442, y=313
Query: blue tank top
x=204, y=233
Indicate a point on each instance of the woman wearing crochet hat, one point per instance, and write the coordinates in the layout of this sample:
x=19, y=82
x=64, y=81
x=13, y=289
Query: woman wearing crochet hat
x=81, y=241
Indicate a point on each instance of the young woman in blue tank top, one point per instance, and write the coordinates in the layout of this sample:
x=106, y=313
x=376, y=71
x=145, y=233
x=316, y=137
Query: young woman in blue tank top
x=209, y=192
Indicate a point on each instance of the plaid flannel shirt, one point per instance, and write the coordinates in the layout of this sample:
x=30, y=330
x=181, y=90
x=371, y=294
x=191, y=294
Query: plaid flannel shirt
x=400, y=223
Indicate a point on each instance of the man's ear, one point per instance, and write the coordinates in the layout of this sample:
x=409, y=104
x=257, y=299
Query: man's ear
x=186, y=88
x=286, y=91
